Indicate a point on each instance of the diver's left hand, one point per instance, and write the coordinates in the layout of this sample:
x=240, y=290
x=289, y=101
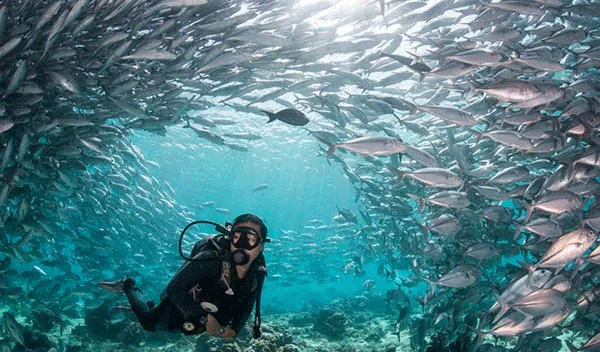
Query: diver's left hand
x=215, y=329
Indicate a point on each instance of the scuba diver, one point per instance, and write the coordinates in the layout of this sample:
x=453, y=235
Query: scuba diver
x=215, y=289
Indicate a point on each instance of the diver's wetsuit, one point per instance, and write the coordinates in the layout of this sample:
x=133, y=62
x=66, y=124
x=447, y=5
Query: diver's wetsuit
x=197, y=282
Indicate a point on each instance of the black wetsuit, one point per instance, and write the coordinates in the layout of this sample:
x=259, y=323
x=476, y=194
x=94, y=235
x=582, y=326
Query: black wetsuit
x=181, y=306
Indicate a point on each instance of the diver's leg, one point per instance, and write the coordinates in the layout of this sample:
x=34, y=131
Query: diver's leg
x=138, y=306
x=165, y=316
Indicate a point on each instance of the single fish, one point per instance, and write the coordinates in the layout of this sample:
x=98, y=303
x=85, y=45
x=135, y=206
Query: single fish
x=445, y=224
x=290, y=116
x=447, y=199
x=434, y=177
x=15, y=329
x=452, y=115
x=9, y=46
x=222, y=210
x=566, y=248
x=461, y=276
x=260, y=187
x=554, y=202
x=181, y=3
x=150, y=55
x=371, y=145
x=541, y=302
x=75, y=12
x=482, y=251
x=479, y=57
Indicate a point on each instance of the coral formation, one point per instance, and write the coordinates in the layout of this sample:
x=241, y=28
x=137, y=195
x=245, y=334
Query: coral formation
x=330, y=323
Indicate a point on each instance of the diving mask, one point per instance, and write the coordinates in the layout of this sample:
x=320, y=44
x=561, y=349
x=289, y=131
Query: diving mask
x=245, y=237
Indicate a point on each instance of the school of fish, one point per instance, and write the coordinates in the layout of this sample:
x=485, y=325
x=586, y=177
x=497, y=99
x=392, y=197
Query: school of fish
x=469, y=129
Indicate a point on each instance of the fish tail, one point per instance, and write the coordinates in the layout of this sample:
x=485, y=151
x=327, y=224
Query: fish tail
x=503, y=309
x=331, y=148
x=480, y=336
x=474, y=88
x=432, y=285
x=401, y=175
x=271, y=116
x=529, y=212
x=480, y=217
x=420, y=201
x=528, y=208
x=518, y=229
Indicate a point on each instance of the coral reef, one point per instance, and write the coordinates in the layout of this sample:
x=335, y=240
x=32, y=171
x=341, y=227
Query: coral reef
x=100, y=323
x=353, y=324
x=289, y=348
x=330, y=323
x=130, y=334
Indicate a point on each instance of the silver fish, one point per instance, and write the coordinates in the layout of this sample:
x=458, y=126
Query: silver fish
x=434, y=177
x=9, y=46
x=15, y=329
x=461, y=276
x=554, y=202
x=452, y=115
x=371, y=145
x=50, y=12
x=567, y=248
x=541, y=302
x=482, y=251
x=445, y=224
x=151, y=55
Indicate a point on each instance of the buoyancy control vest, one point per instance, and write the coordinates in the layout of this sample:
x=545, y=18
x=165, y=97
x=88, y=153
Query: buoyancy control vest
x=214, y=248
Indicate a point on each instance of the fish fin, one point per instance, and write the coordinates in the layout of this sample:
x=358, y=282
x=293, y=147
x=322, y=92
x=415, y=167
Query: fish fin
x=271, y=116
x=528, y=208
x=578, y=263
x=529, y=212
x=419, y=200
x=400, y=174
x=431, y=290
x=480, y=336
x=518, y=229
x=504, y=307
x=331, y=148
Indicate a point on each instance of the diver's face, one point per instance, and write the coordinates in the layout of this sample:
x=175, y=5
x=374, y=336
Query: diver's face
x=246, y=236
